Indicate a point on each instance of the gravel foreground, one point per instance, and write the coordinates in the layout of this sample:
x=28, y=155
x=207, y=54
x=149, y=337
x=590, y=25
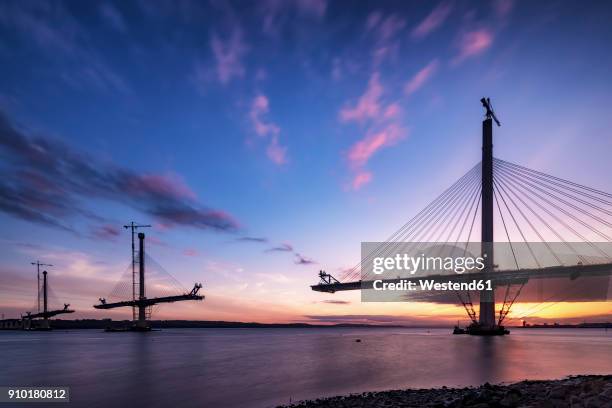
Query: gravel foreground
x=573, y=392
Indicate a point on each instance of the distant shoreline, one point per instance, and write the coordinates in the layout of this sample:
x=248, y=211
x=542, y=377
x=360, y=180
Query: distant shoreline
x=583, y=391
x=61, y=324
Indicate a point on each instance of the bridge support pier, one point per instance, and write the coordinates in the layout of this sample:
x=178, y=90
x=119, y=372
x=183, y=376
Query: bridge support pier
x=44, y=324
x=487, y=297
x=141, y=323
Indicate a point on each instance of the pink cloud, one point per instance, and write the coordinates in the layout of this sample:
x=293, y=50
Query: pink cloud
x=260, y=107
x=380, y=118
x=434, y=20
x=191, y=252
x=421, y=77
x=362, y=151
x=228, y=55
x=361, y=179
x=368, y=106
x=276, y=152
x=391, y=111
x=474, y=43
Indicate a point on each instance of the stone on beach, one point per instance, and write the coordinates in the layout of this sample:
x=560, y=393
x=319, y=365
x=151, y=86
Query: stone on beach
x=575, y=392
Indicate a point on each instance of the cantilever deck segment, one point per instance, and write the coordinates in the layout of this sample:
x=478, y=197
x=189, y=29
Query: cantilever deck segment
x=148, y=302
x=499, y=277
x=48, y=314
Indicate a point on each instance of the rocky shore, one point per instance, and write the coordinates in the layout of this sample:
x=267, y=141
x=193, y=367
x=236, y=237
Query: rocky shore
x=572, y=392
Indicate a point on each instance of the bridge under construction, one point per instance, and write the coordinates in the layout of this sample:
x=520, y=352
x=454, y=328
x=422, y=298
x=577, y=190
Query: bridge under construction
x=140, y=302
x=40, y=319
x=529, y=204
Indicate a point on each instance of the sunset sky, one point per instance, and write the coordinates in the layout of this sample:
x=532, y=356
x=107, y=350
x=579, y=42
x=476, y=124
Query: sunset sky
x=265, y=140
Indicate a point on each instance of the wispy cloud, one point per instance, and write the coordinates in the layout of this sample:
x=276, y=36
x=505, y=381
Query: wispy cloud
x=384, y=26
x=45, y=181
x=433, y=20
x=113, y=17
x=316, y=8
x=190, y=252
x=368, y=106
x=66, y=41
x=264, y=128
x=386, y=30
x=336, y=302
x=503, y=7
x=360, y=152
x=473, y=43
x=361, y=179
x=421, y=77
x=383, y=129
x=378, y=319
x=106, y=232
x=301, y=260
x=229, y=52
x=279, y=14
x=252, y=239
x=281, y=248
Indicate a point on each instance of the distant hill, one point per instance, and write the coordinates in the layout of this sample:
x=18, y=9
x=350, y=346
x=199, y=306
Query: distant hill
x=195, y=324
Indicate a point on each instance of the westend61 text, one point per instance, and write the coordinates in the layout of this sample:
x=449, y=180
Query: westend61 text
x=430, y=284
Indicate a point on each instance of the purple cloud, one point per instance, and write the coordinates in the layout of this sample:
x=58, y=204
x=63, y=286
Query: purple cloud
x=301, y=260
x=336, y=302
x=421, y=77
x=228, y=53
x=252, y=239
x=473, y=43
x=281, y=248
x=45, y=181
x=57, y=33
x=106, y=232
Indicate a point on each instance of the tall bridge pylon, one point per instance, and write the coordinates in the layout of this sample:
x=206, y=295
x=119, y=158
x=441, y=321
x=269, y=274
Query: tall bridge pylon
x=487, y=297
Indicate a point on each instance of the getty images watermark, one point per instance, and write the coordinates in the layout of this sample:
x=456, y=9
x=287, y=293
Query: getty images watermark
x=408, y=271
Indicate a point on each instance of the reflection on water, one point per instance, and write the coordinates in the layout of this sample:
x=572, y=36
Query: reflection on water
x=264, y=367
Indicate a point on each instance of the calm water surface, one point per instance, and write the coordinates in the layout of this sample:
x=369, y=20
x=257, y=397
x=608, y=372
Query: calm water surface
x=265, y=367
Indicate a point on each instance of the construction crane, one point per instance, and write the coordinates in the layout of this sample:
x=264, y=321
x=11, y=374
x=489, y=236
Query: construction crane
x=46, y=313
x=38, y=265
x=490, y=114
x=142, y=303
x=133, y=227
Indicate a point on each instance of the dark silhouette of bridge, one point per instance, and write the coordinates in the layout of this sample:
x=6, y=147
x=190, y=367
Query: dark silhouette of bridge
x=40, y=319
x=530, y=204
x=142, y=303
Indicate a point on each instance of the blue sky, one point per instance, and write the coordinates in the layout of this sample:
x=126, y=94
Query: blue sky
x=310, y=125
